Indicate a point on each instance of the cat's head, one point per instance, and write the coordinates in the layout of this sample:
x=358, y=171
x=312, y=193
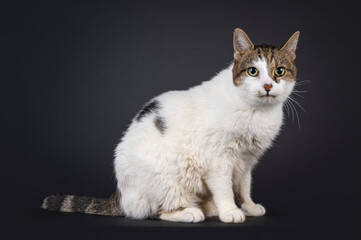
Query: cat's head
x=264, y=75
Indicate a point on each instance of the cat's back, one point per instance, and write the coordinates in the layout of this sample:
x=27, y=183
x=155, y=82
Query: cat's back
x=160, y=122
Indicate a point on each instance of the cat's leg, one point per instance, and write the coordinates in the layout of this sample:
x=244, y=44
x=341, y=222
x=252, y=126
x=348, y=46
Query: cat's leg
x=249, y=207
x=191, y=214
x=209, y=208
x=219, y=182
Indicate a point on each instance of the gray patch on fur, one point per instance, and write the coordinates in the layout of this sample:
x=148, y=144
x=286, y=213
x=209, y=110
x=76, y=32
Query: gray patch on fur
x=149, y=108
x=160, y=124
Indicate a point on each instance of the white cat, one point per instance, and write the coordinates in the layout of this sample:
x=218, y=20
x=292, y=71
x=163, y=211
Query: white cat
x=190, y=154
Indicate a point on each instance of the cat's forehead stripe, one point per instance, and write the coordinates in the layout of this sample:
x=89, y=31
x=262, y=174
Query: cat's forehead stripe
x=261, y=65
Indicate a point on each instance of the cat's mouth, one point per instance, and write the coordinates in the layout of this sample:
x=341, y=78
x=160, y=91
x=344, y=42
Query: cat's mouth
x=267, y=96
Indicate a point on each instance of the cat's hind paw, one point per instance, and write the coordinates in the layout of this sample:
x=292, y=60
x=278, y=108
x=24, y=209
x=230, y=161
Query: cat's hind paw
x=190, y=215
x=195, y=215
x=254, y=210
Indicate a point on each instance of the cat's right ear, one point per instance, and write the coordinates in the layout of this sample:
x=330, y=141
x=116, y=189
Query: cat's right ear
x=241, y=43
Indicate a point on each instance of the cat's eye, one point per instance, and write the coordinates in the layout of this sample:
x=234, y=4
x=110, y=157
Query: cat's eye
x=279, y=72
x=252, y=71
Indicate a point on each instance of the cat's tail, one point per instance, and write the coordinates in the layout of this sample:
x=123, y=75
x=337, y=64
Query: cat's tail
x=89, y=205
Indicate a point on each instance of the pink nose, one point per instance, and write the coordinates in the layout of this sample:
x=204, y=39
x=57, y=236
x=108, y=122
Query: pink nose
x=267, y=87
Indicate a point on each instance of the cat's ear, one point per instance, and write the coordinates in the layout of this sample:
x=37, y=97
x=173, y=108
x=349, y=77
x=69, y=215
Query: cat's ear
x=290, y=46
x=241, y=43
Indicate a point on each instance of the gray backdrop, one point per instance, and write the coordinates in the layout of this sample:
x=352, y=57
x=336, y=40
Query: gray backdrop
x=76, y=72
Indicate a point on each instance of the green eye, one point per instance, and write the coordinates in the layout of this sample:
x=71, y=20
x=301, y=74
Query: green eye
x=252, y=71
x=279, y=72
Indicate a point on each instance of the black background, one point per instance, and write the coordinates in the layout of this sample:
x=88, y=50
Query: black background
x=75, y=73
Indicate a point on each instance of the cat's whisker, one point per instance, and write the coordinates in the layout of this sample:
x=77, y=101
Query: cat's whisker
x=298, y=94
x=296, y=113
x=292, y=99
x=301, y=91
x=287, y=102
x=288, y=109
x=303, y=82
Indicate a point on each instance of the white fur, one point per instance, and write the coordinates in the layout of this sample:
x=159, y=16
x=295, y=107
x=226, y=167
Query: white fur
x=214, y=135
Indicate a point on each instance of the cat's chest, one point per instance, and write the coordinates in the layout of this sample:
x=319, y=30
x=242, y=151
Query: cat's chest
x=256, y=132
x=260, y=127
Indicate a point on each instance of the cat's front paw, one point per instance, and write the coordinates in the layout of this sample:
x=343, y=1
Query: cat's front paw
x=255, y=210
x=233, y=216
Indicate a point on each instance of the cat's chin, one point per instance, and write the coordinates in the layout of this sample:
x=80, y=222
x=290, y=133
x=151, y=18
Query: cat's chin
x=264, y=103
x=268, y=100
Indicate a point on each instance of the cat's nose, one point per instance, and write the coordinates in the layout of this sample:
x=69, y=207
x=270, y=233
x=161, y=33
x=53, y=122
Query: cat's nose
x=267, y=87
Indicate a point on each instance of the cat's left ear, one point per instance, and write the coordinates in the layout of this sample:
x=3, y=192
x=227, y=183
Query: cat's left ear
x=290, y=46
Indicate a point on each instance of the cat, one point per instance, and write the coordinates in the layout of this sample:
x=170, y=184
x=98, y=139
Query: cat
x=189, y=154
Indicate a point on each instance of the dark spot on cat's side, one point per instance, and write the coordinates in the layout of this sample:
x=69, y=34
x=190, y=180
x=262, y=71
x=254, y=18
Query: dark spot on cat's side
x=147, y=109
x=159, y=124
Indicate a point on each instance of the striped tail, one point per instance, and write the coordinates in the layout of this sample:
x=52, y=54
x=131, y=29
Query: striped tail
x=89, y=205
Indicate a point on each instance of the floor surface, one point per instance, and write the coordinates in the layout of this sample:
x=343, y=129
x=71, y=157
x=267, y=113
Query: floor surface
x=41, y=224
